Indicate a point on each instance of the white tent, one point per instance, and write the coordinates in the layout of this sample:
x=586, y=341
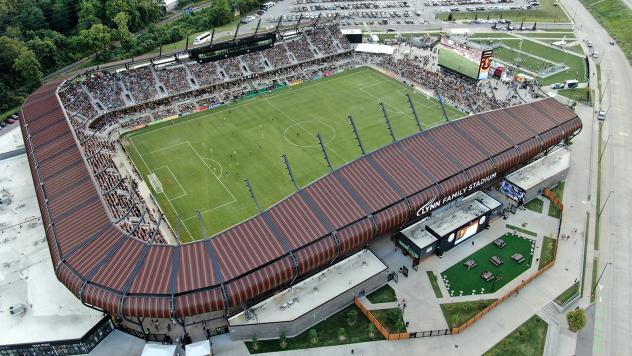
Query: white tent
x=202, y=348
x=158, y=350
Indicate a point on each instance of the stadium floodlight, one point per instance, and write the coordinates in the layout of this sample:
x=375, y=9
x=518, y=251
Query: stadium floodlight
x=445, y=113
x=252, y=195
x=324, y=148
x=357, y=135
x=201, y=221
x=414, y=110
x=388, y=122
x=290, y=172
x=469, y=100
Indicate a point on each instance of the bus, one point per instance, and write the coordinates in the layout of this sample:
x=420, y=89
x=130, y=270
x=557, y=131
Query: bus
x=202, y=38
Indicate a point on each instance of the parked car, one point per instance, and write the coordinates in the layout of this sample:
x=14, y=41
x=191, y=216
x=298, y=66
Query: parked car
x=601, y=115
x=557, y=86
x=9, y=121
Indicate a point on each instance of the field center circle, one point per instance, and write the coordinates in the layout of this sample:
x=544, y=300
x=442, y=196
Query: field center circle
x=303, y=133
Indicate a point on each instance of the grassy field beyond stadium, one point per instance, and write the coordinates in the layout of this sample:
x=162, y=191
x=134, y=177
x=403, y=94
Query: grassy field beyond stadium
x=201, y=160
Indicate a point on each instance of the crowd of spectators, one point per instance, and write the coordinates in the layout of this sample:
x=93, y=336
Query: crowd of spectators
x=140, y=82
x=450, y=86
x=174, y=79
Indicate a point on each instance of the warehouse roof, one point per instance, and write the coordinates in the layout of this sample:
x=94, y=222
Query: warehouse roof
x=332, y=218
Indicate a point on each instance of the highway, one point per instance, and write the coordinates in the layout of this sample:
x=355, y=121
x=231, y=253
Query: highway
x=614, y=301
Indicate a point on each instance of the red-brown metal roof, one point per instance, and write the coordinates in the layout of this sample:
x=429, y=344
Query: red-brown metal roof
x=329, y=219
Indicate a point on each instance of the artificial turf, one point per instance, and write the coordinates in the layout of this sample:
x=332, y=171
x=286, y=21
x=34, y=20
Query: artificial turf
x=202, y=160
x=461, y=281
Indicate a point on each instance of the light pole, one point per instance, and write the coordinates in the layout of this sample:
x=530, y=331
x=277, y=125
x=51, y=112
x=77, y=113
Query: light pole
x=604, y=205
x=598, y=279
x=604, y=147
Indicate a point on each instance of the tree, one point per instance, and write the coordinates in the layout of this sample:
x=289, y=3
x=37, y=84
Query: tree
x=46, y=52
x=90, y=12
x=576, y=320
x=31, y=17
x=97, y=38
x=122, y=31
x=313, y=336
x=255, y=343
x=450, y=17
x=28, y=68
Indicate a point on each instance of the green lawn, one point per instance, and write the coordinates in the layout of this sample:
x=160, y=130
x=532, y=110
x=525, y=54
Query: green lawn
x=391, y=319
x=583, y=95
x=615, y=16
x=459, y=279
x=567, y=295
x=435, y=284
x=527, y=340
x=522, y=60
x=535, y=204
x=554, y=211
x=575, y=63
x=458, y=313
x=548, y=12
x=201, y=160
x=7, y=113
x=385, y=294
x=327, y=332
x=547, y=254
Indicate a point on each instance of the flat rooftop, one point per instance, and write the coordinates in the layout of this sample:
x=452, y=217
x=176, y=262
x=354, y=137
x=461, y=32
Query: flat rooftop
x=418, y=234
x=540, y=170
x=26, y=271
x=11, y=138
x=316, y=290
x=471, y=207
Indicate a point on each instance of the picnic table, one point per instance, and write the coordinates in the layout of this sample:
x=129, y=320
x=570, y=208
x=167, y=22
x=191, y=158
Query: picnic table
x=518, y=257
x=497, y=261
x=487, y=276
x=500, y=243
x=470, y=264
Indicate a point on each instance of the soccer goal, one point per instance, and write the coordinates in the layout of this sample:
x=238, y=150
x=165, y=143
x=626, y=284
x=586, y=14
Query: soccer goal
x=155, y=183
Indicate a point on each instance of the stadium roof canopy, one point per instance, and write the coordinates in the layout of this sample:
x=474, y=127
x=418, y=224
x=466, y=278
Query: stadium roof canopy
x=375, y=48
x=332, y=218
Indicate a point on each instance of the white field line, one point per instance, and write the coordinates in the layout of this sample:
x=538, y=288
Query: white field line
x=304, y=129
x=378, y=99
x=177, y=181
x=240, y=104
x=164, y=148
x=211, y=170
x=140, y=155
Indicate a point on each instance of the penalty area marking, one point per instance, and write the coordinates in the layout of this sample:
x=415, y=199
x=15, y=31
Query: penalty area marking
x=175, y=178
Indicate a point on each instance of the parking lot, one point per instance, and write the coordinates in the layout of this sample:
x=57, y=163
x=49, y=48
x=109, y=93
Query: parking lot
x=380, y=15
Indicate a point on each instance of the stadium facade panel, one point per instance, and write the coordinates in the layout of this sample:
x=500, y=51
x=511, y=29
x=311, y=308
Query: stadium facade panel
x=329, y=219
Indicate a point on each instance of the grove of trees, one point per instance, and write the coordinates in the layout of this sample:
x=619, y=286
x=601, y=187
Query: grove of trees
x=38, y=37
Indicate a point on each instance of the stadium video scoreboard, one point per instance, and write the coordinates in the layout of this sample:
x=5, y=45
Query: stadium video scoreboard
x=470, y=61
x=232, y=48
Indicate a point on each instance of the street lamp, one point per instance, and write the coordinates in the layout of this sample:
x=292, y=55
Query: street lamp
x=598, y=279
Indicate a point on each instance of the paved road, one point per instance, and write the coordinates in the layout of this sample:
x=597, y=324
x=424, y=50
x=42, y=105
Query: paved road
x=614, y=303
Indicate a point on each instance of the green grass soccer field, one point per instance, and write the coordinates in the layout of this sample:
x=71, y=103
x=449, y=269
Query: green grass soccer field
x=202, y=160
x=470, y=282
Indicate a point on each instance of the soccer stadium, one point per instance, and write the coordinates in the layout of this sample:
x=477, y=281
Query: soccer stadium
x=205, y=186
